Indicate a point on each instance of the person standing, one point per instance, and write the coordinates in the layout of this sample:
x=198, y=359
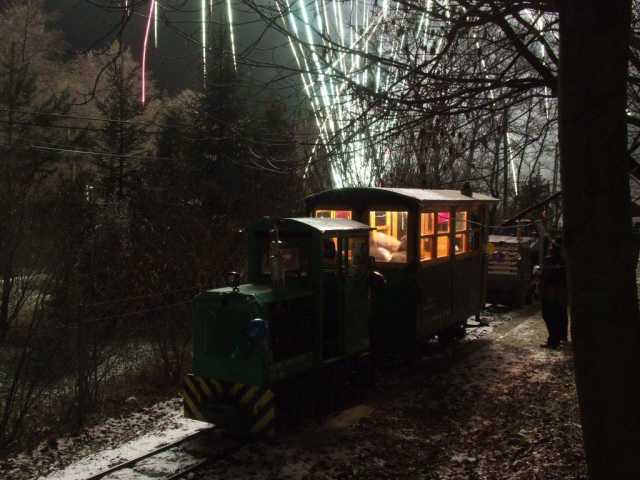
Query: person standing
x=553, y=295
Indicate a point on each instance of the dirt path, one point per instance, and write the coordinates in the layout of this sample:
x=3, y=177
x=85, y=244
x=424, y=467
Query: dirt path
x=495, y=407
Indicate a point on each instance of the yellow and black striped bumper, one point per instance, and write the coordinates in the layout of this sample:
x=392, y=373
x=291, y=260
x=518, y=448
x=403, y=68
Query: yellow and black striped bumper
x=240, y=408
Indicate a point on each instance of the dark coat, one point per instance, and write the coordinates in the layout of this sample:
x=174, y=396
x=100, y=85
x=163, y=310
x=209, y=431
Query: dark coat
x=553, y=283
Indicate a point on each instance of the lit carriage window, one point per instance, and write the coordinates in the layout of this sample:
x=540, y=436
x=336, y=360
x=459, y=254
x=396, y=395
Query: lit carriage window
x=345, y=214
x=475, y=228
x=462, y=233
x=388, y=242
x=426, y=236
x=461, y=221
x=442, y=237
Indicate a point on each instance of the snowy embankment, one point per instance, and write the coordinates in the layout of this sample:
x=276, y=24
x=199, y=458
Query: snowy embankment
x=98, y=448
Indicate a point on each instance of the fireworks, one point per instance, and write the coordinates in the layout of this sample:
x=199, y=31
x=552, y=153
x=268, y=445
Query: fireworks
x=336, y=43
x=203, y=21
x=331, y=42
x=155, y=23
x=343, y=49
x=152, y=9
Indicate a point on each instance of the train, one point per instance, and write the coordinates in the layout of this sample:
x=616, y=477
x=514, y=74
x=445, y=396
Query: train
x=367, y=271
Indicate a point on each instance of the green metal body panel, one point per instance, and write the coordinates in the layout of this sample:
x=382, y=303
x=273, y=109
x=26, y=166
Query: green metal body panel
x=357, y=311
x=394, y=325
x=221, y=348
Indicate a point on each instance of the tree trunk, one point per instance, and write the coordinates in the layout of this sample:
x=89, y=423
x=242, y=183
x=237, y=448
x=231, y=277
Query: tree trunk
x=505, y=164
x=598, y=235
x=5, y=297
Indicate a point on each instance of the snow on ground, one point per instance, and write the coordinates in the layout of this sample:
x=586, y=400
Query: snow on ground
x=178, y=427
x=165, y=461
x=96, y=449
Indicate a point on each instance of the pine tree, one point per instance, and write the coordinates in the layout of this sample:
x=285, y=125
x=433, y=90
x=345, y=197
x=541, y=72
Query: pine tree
x=122, y=135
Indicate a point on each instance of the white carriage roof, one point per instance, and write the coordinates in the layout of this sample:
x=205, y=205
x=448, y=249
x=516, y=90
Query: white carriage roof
x=404, y=195
x=429, y=195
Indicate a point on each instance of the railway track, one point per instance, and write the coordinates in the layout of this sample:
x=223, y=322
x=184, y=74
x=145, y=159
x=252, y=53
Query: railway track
x=227, y=448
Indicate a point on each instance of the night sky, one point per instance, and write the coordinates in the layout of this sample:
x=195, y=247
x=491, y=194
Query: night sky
x=176, y=63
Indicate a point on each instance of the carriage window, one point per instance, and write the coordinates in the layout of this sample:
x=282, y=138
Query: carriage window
x=444, y=222
x=461, y=221
x=475, y=228
x=434, y=235
x=426, y=236
x=345, y=214
x=388, y=242
x=442, y=237
x=462, y=233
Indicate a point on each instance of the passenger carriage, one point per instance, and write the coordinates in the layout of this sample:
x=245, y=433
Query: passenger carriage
x=429, y=245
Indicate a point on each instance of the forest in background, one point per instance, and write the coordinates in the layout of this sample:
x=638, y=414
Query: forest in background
x=113, y=215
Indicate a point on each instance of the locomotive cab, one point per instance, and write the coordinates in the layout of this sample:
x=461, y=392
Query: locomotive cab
x=305, y=305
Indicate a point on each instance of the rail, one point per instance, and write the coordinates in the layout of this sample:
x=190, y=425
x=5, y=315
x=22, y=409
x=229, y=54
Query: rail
x=198, y=463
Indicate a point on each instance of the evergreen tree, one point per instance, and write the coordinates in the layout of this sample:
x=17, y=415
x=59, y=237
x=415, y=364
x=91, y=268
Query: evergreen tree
x=122, y=134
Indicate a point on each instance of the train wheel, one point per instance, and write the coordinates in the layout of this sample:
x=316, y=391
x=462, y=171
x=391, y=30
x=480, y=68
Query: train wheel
x=340, y=385
x=322, y=392
x=461, y=331
x=451, y=334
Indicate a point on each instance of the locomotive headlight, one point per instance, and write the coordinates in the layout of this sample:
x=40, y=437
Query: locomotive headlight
x=257, y=329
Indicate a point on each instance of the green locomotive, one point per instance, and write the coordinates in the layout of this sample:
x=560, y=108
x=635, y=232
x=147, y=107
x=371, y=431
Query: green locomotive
x=303, y=314
x=314, y=309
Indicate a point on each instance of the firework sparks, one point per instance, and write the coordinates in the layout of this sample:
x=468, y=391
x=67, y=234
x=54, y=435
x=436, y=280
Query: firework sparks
x=203, y=19
x=144, y=51
x=233, y=42
x=155, y=23
x=333, y=43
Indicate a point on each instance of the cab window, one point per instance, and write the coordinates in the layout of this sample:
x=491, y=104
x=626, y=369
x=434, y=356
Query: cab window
x=287, y=254
x=358, y=254
x=330, y=253
x=388, y=242
x=350, y=253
